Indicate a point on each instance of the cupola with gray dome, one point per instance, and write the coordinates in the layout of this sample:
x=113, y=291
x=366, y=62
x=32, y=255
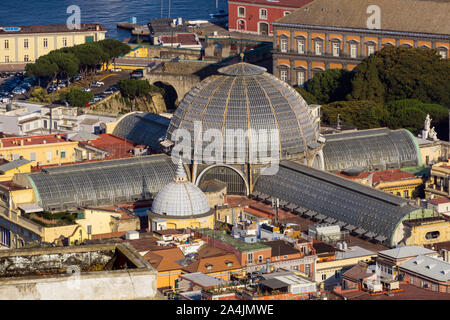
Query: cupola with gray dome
x=242, y=97
x=180, y=198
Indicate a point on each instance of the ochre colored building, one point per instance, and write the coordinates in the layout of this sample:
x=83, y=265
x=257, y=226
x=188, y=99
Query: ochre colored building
x=395, y=181
x=338, y=34
x=23, y=44
x=39, y=150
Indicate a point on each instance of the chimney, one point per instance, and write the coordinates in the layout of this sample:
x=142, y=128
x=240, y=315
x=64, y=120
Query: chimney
x=21, y=142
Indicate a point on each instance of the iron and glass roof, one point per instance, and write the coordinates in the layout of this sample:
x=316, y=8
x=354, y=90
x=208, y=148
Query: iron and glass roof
x=101, y=183
x=142, y=128
x=349, y=202
x=244, y=97
x=375, y=149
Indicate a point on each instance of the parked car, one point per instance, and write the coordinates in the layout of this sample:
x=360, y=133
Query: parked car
x=86, y=89
x=97, y=84
x=138, y=73
x=62, y=85
x=108, y=92
x=115, y=69
x=19, y=90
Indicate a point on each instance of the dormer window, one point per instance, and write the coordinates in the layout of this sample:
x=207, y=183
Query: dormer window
x=229, y=263
x=209, y=267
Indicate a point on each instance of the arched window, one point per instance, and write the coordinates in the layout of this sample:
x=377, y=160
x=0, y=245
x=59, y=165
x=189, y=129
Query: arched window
x=300, y=77
x=284, y=43
x=443, y=52
x=241, y=25
x=370, y=48
x=301, y=44
x=335, y=47
x=318, y=46
x=284, y=73
x=353, y=49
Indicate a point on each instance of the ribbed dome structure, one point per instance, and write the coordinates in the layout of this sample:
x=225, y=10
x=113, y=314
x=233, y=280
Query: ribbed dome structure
x=180, y=198
x=244, y=96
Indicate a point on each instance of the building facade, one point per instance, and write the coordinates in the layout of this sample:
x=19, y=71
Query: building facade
x=326, y=35
x=249, y=16
x=23, y=44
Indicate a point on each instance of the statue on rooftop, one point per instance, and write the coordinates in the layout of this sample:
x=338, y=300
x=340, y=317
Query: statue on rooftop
x=432, y=134
x=427, y=123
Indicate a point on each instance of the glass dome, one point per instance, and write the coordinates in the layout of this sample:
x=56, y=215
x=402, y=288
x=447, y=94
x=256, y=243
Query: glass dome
x=242, y=97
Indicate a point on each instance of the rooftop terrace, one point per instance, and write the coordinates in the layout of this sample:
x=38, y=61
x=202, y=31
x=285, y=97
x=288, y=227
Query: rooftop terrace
x=237, y=244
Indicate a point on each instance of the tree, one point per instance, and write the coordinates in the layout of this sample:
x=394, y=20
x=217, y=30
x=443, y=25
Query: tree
x=395, y=73
x=38, y=94
x=309, y=98
x=361, y=114
x=113, y=49
x=77, y=98
x=134, y=89
x=330, y=85
x=411, y=113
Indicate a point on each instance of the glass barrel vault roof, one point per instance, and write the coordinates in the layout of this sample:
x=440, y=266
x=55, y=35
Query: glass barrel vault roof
x=142, y=128
x=376, y=149
x=336, y=197
x=101, y=183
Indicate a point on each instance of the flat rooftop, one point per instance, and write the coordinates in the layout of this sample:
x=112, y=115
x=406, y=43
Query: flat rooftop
x=32, y=140
x=237, y=244
x=50, y=28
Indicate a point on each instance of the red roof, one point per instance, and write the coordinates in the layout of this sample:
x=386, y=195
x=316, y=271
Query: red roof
x=391, y=175
x=275, y=3
x=440, y=200
x=33, y=140
x=117, y=147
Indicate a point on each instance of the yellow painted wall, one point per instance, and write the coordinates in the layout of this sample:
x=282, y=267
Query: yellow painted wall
x=17, y=52
x=99, y=220
x=301, y=63
x=396, y=187
x=41, y=152
x=73, y=232
x=330, y=267
x=335, y=66
x=167, y=278
x=8, y=175
x=205, y=222
x=418, y=233
x=283, y=62
x=22, y=196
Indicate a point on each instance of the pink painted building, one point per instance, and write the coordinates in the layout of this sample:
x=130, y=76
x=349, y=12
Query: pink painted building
x=256, y=16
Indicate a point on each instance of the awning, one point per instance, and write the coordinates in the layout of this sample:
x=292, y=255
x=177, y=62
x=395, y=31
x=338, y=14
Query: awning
x=341, y=223
x=30, y=208
x=380, y=238
x=360, y=231
x=291, y=206
x=330, y=220
x=350, y=227
x=320, y=217
x=370, y=234
x=273, y=284
x=310, y=213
